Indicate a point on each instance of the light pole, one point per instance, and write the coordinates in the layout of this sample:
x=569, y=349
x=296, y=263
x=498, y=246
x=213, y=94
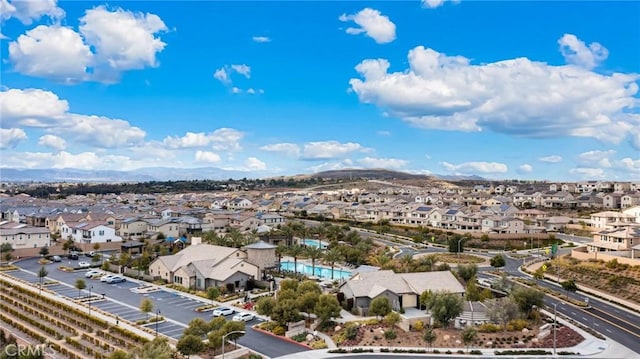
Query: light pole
x=555, y=324
x=459, y=240
x=89, y=301
x=157, y=318
x=224, y=336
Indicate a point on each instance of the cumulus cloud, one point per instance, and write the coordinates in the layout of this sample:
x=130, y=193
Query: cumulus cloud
x=373, y=24
x=576, y=52
x=261, y=39
x=329, y=149
x=386, y=163
x=108, y=43
x=207, y=156
x=28, y=11
x=254, y=164
x=10, y=137
x=525, y=168
x=242, y=69
x=550, y=159
x=289, y=149
x=43, y=109
x=596, y=157
x=220, y=139
x=330, y=166
x=432, y=4
x=475, y=167
x=628, y=164
x=53, y=142
x=224, y=75
x=53, y=52
x=588, y=173
x=519, y=96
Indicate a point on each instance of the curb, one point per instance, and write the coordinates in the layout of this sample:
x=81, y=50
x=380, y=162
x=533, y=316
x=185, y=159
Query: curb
x=281, y=337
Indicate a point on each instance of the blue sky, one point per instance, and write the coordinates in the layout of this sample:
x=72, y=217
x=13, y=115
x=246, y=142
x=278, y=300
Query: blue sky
x=530, y=90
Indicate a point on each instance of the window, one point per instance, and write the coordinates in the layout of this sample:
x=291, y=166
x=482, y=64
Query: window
x=101, y=233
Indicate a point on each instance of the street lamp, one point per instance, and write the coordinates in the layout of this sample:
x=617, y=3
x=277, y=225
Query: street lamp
x=459, y=240
x=554, y=328
x=224, y=336
x=157, y=318
x=89, y=301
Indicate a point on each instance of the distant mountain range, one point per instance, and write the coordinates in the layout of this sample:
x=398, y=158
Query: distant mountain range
x=189, y=174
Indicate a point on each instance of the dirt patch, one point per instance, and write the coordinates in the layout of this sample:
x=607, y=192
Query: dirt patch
x=374, y=336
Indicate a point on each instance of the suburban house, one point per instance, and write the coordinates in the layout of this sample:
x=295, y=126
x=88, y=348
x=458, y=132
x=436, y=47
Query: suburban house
x=201, y=266
x=90, y=232
x=610, y=219
x=402, y=289
x=623, y=239
x=132, y=228
x=170, y=227
x=23, y=236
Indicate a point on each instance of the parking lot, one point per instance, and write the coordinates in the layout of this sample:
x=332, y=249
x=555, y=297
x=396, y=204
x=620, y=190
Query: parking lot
x=123, y=300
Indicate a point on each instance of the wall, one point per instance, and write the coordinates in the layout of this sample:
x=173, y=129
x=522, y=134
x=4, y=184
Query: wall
x=579, y=253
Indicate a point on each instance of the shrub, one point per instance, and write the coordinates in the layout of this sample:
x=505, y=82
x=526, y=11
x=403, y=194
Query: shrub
x=390, y=334
x=350, y=332
x=278, y=330
x=488, y=328
x=517, y=324
x=418, y=326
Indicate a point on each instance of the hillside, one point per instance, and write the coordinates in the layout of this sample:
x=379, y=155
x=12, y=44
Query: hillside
x=369, y=174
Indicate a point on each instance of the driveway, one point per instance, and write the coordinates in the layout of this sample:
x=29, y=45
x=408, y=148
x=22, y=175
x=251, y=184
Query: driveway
x=122, y=300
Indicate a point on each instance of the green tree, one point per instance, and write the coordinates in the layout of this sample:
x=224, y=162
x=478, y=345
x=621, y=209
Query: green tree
x=425, y=298
x=213, y=293
x=406, y=261
x=308, y=286
x=327, y=307
x=44, y=251
x=526, y=298
x=41, y=274
x=290, y=284
x=96, y=246
x=265, y=306
x=539, y=273
x=469, y=335
x=146, y=306
x=5, y=251
x=502, y=310
x=467, y=271
x=190, y=344
x=197, y=327
x=314, y=253
x=445, y=306
x=380, y=307
x=285, y=312
x=158, y=348
x=332, y=257
x=307, y=302
x=119, y=354
x=429, y=336
x=497, y=261
x=472, y=292
x=569, y=285
x=392, y=318
x=295, y=251
x=80, y=285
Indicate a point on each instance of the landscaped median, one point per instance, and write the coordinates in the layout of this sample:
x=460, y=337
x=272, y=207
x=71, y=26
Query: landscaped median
x=302, y=343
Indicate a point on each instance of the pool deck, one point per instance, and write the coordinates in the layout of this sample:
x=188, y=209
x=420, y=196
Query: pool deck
x=319, y=264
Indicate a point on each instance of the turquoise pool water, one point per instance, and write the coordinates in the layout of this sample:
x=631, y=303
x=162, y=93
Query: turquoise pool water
x=320, y=272
x=315, y=243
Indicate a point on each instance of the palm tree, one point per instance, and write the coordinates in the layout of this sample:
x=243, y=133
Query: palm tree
x=314, y=253
x=332, y=256
x=295, y=251
x=379, y=260
x=406, y=261
x=280, y=250
x=235, y=238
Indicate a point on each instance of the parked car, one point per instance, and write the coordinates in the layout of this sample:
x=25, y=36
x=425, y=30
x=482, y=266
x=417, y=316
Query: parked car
x=56, y=259
x=90, y=254
x=222, y=311
x=116, y=279
x=106, y=277
x=92, y=273
x=73, y=256
x=84, y=264
x=243, y=317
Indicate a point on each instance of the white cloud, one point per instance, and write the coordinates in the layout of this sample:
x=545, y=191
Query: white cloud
x=518, y=96
x=599, y=158
x=53, y=52
x=222, y=76
x=373, y=24
x=28, y=11
x=261, y=39
x=254, y=164
x=329, y=149
x=43, y=109
x=10, y=137
x=576, y=52
x=236, y=90
x=386, y=163
x=242, y=69
x=476, y=167
x=220, y=139
x=384, y=133
x=289, y=149
x=550, y=159
x=207, y=156
x=588, y=173
x=330, y=166
x=432, y=4
x=525, y=168
x=108, y=43
x=628, y=164
x=53, y=142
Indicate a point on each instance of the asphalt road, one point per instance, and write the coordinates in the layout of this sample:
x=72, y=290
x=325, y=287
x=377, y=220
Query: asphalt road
x=122, y=301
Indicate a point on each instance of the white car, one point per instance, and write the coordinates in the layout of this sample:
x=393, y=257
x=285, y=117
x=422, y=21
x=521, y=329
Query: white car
x=106, y=277
x=92, y=273
x=116, y=279
x=243, y=317
x=222, y=311
x=84, y=264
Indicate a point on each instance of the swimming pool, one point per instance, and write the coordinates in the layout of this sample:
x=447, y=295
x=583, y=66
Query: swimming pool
x=320, y=272
x=315, y=243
